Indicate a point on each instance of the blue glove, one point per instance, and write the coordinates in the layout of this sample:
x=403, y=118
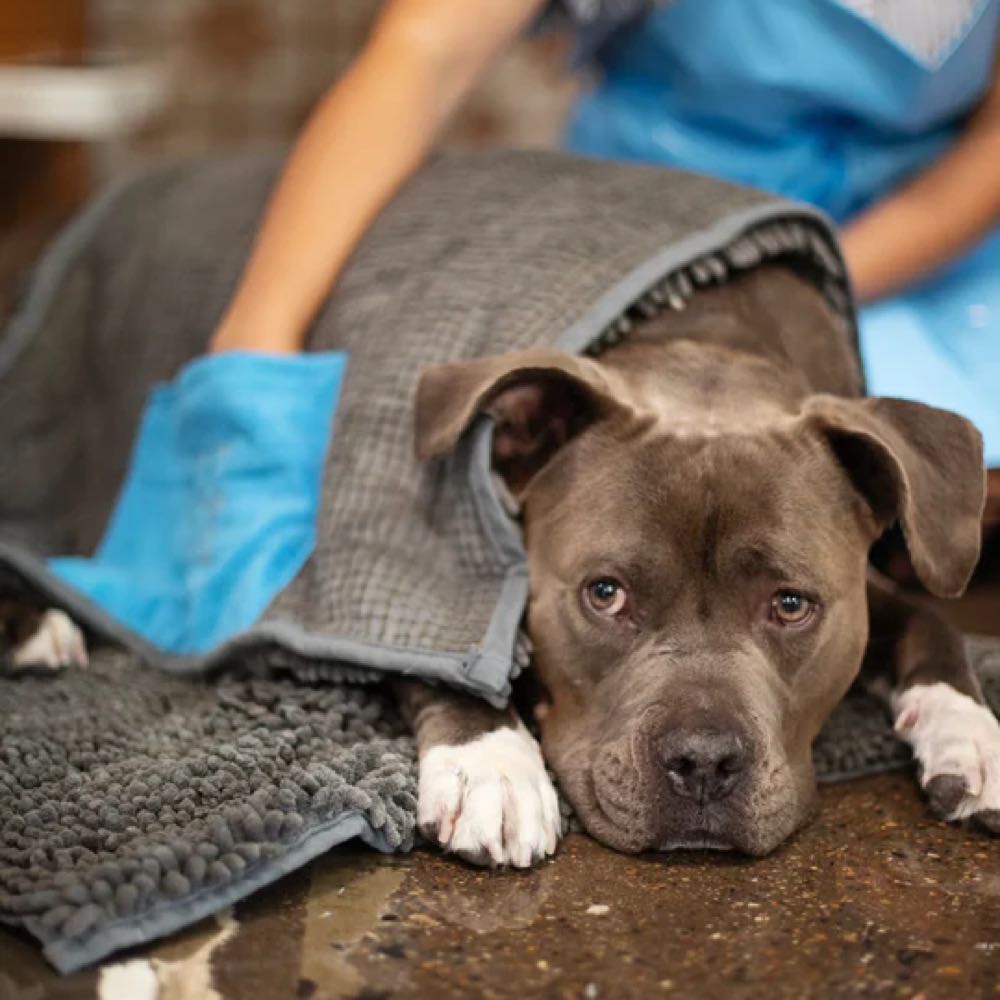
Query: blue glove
x=218, y=509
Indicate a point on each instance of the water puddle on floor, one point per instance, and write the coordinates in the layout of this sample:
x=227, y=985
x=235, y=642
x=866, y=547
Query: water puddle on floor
x=348, y=895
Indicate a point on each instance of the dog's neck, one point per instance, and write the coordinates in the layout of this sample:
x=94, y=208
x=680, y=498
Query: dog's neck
x=701, y=388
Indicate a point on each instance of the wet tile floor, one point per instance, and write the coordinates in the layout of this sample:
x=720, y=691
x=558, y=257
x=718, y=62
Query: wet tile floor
x=874, y=898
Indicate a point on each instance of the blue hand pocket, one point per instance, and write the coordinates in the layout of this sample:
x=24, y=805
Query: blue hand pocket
x=218, y=509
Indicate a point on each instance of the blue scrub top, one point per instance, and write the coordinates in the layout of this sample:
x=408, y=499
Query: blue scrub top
x=814, y=101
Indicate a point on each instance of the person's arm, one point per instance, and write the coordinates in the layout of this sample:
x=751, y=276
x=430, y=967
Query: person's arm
x=936, y=216
x=370, y=131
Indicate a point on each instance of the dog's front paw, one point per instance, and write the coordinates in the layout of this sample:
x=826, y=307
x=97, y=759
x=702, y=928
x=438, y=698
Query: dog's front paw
x=56, y=643
x=490, y=801
x=956, y=742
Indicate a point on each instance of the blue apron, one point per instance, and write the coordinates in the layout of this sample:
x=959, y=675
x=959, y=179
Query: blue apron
x=809, y=99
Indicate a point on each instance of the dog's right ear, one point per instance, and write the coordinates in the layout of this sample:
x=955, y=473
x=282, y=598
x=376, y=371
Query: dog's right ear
x=539, y=400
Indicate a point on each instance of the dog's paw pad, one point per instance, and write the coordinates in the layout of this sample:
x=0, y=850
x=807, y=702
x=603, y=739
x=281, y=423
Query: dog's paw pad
x=56, y=643
x=956, y=742
x=490, y=801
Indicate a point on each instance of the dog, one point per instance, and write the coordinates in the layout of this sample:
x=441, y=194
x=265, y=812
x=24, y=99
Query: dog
x=698, y=504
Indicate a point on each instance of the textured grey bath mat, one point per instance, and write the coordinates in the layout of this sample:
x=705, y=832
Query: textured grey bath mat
x=133, y=803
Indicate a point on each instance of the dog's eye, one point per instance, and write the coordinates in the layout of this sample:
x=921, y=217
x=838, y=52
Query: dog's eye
x=788, y=607
x=607, y=597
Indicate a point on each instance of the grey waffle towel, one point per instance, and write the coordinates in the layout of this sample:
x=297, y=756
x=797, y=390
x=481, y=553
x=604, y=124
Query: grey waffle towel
x=150, y=791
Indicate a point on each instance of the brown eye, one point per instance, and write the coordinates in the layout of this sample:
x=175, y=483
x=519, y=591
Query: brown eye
x=788, y=607
x=606, y=596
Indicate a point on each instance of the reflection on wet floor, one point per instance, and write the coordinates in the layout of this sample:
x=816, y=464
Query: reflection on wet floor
x=181, y=969
x=347, y=896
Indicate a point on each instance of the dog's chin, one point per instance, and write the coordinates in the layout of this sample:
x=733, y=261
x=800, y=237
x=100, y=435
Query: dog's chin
x=633, y=832
x=739, y=826
x=635, y=825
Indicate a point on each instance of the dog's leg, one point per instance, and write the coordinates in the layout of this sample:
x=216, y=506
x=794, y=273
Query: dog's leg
x=917, y=664
x=484, y=793
x=35, y=638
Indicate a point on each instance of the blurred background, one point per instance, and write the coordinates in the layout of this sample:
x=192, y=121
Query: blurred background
x=91, y=88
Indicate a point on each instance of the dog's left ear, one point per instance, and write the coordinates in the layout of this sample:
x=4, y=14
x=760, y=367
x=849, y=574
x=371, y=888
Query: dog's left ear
x=539, y=400
x=920, y=465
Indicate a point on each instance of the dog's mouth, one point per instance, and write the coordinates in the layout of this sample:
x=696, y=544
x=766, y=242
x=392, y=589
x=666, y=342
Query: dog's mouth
x=699, y=840
x=635, y=828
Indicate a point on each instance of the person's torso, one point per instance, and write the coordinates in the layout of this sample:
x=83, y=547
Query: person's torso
x=831, y=102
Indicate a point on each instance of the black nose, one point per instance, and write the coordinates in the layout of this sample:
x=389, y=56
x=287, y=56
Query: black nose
x=703, y=765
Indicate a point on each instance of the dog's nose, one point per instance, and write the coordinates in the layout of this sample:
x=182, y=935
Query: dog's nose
x=703, y=765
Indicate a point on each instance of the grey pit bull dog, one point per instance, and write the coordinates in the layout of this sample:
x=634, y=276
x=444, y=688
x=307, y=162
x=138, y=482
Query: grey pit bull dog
x=698, y=505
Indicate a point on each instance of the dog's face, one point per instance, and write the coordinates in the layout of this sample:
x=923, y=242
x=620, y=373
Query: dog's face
x=697, y=530
x=694, y=608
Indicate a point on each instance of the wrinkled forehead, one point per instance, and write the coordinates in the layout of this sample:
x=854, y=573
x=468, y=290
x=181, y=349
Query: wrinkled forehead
x=775, y=496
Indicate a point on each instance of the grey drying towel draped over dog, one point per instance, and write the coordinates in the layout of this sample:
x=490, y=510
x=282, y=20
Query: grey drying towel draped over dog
x=134, y=800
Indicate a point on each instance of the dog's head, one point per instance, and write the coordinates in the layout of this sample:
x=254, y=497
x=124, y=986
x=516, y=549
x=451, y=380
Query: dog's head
x=697, y=528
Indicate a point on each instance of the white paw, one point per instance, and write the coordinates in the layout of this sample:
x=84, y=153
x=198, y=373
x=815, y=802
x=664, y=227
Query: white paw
x=56, y=643
x=490, y=801
x=957, y=743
